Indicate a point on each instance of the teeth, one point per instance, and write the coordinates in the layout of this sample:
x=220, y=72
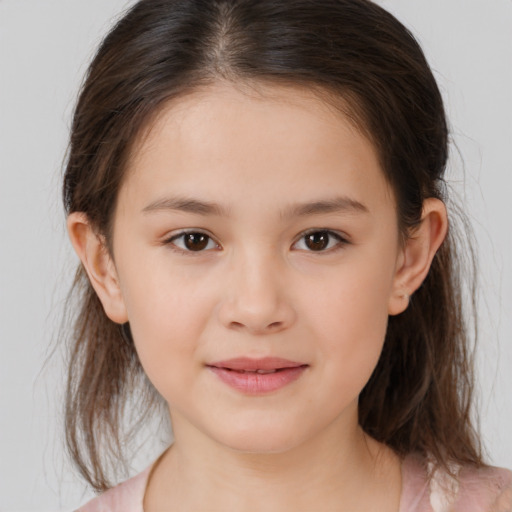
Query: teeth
x=258, y=371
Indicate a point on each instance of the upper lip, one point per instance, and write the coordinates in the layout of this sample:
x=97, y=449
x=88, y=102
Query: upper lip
x=253, y=364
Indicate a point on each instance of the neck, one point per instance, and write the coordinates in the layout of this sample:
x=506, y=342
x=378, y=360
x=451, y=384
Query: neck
x=337, y=467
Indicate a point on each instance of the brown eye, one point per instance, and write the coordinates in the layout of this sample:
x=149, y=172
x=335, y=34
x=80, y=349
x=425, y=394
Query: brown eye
x=321, y=241
x=196, y=241
x=193, y=241
x=317, y=241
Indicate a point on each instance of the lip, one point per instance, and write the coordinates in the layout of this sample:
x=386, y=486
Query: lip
x=257, y=376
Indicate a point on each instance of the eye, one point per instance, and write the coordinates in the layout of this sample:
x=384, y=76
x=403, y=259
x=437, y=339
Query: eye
x=320, y=241
x=192, y=241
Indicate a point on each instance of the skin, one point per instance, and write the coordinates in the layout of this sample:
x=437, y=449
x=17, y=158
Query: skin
x=257, y=289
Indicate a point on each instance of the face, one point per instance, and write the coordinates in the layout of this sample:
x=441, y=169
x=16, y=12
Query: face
x=256, y=249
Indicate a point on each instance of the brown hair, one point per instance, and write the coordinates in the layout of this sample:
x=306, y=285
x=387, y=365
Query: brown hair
x=419, y=396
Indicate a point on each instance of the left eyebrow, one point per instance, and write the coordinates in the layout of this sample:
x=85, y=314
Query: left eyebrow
x=335, y=205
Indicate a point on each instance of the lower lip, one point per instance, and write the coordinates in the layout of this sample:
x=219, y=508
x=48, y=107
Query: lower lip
x=258, y=383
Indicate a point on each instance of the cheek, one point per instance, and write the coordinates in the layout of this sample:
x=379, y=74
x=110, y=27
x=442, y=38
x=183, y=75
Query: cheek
x=351, y=353
x=167, y=316
x=353, y=299
x=354, y=332
x=161, y=297
x=350, y=321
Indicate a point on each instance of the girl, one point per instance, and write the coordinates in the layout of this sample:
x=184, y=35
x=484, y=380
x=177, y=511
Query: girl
x=255, y=191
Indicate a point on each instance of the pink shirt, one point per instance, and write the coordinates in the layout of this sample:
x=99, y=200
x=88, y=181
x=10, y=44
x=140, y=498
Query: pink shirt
x=475, y=490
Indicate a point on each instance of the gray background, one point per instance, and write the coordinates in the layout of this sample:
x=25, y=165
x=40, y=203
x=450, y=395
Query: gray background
x=44, y=48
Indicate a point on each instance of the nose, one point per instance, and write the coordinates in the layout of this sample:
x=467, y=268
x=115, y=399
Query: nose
x=256, y=298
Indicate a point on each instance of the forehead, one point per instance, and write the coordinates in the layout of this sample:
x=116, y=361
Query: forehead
x=273, y=136
x=247, y=98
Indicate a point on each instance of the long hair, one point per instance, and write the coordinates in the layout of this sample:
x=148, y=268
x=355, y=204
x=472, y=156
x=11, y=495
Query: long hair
x=352, y=53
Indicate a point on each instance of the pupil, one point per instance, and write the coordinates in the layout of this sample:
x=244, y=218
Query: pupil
x=317, y=241
x=196, y=241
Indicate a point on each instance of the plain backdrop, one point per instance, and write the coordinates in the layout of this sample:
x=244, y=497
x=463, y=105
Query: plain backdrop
x=45, y=46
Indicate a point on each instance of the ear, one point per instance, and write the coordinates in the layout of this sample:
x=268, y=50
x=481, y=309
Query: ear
x=418, y=253
x=98, y=264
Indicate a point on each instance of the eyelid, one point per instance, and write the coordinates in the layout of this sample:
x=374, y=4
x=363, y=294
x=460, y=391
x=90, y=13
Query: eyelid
x=342, y=239
x=169, y=241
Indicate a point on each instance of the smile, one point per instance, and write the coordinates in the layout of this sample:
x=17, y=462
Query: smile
x=257, y=376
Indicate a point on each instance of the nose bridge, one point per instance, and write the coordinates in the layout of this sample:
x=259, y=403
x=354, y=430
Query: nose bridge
x=256, y=298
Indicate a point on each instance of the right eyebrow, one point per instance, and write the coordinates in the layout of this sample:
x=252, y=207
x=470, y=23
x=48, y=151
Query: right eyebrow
x=188, y=205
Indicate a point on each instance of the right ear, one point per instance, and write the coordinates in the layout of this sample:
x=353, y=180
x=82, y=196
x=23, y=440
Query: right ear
x=98, y=264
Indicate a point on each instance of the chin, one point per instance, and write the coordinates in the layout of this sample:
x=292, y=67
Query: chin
x=260, y=439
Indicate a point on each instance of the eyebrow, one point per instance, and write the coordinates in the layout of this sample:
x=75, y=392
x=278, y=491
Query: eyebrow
x=188, y=205
x=198, y=207
x=336, y=205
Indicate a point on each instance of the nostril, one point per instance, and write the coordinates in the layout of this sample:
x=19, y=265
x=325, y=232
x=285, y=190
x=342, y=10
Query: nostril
x=270, y=327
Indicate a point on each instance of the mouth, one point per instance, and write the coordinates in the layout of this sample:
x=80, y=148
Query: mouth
x=257, y=376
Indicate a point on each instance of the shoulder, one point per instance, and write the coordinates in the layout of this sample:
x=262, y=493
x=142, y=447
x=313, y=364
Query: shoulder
x=128, y=496
x=485, y=489
x=427, y=489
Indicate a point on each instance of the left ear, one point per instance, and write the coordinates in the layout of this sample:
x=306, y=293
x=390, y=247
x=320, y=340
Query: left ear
x=417, y=254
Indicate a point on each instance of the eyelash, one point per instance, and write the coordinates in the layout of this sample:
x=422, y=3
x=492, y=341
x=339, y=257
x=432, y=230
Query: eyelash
x=170, y=242
x=341, y=241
